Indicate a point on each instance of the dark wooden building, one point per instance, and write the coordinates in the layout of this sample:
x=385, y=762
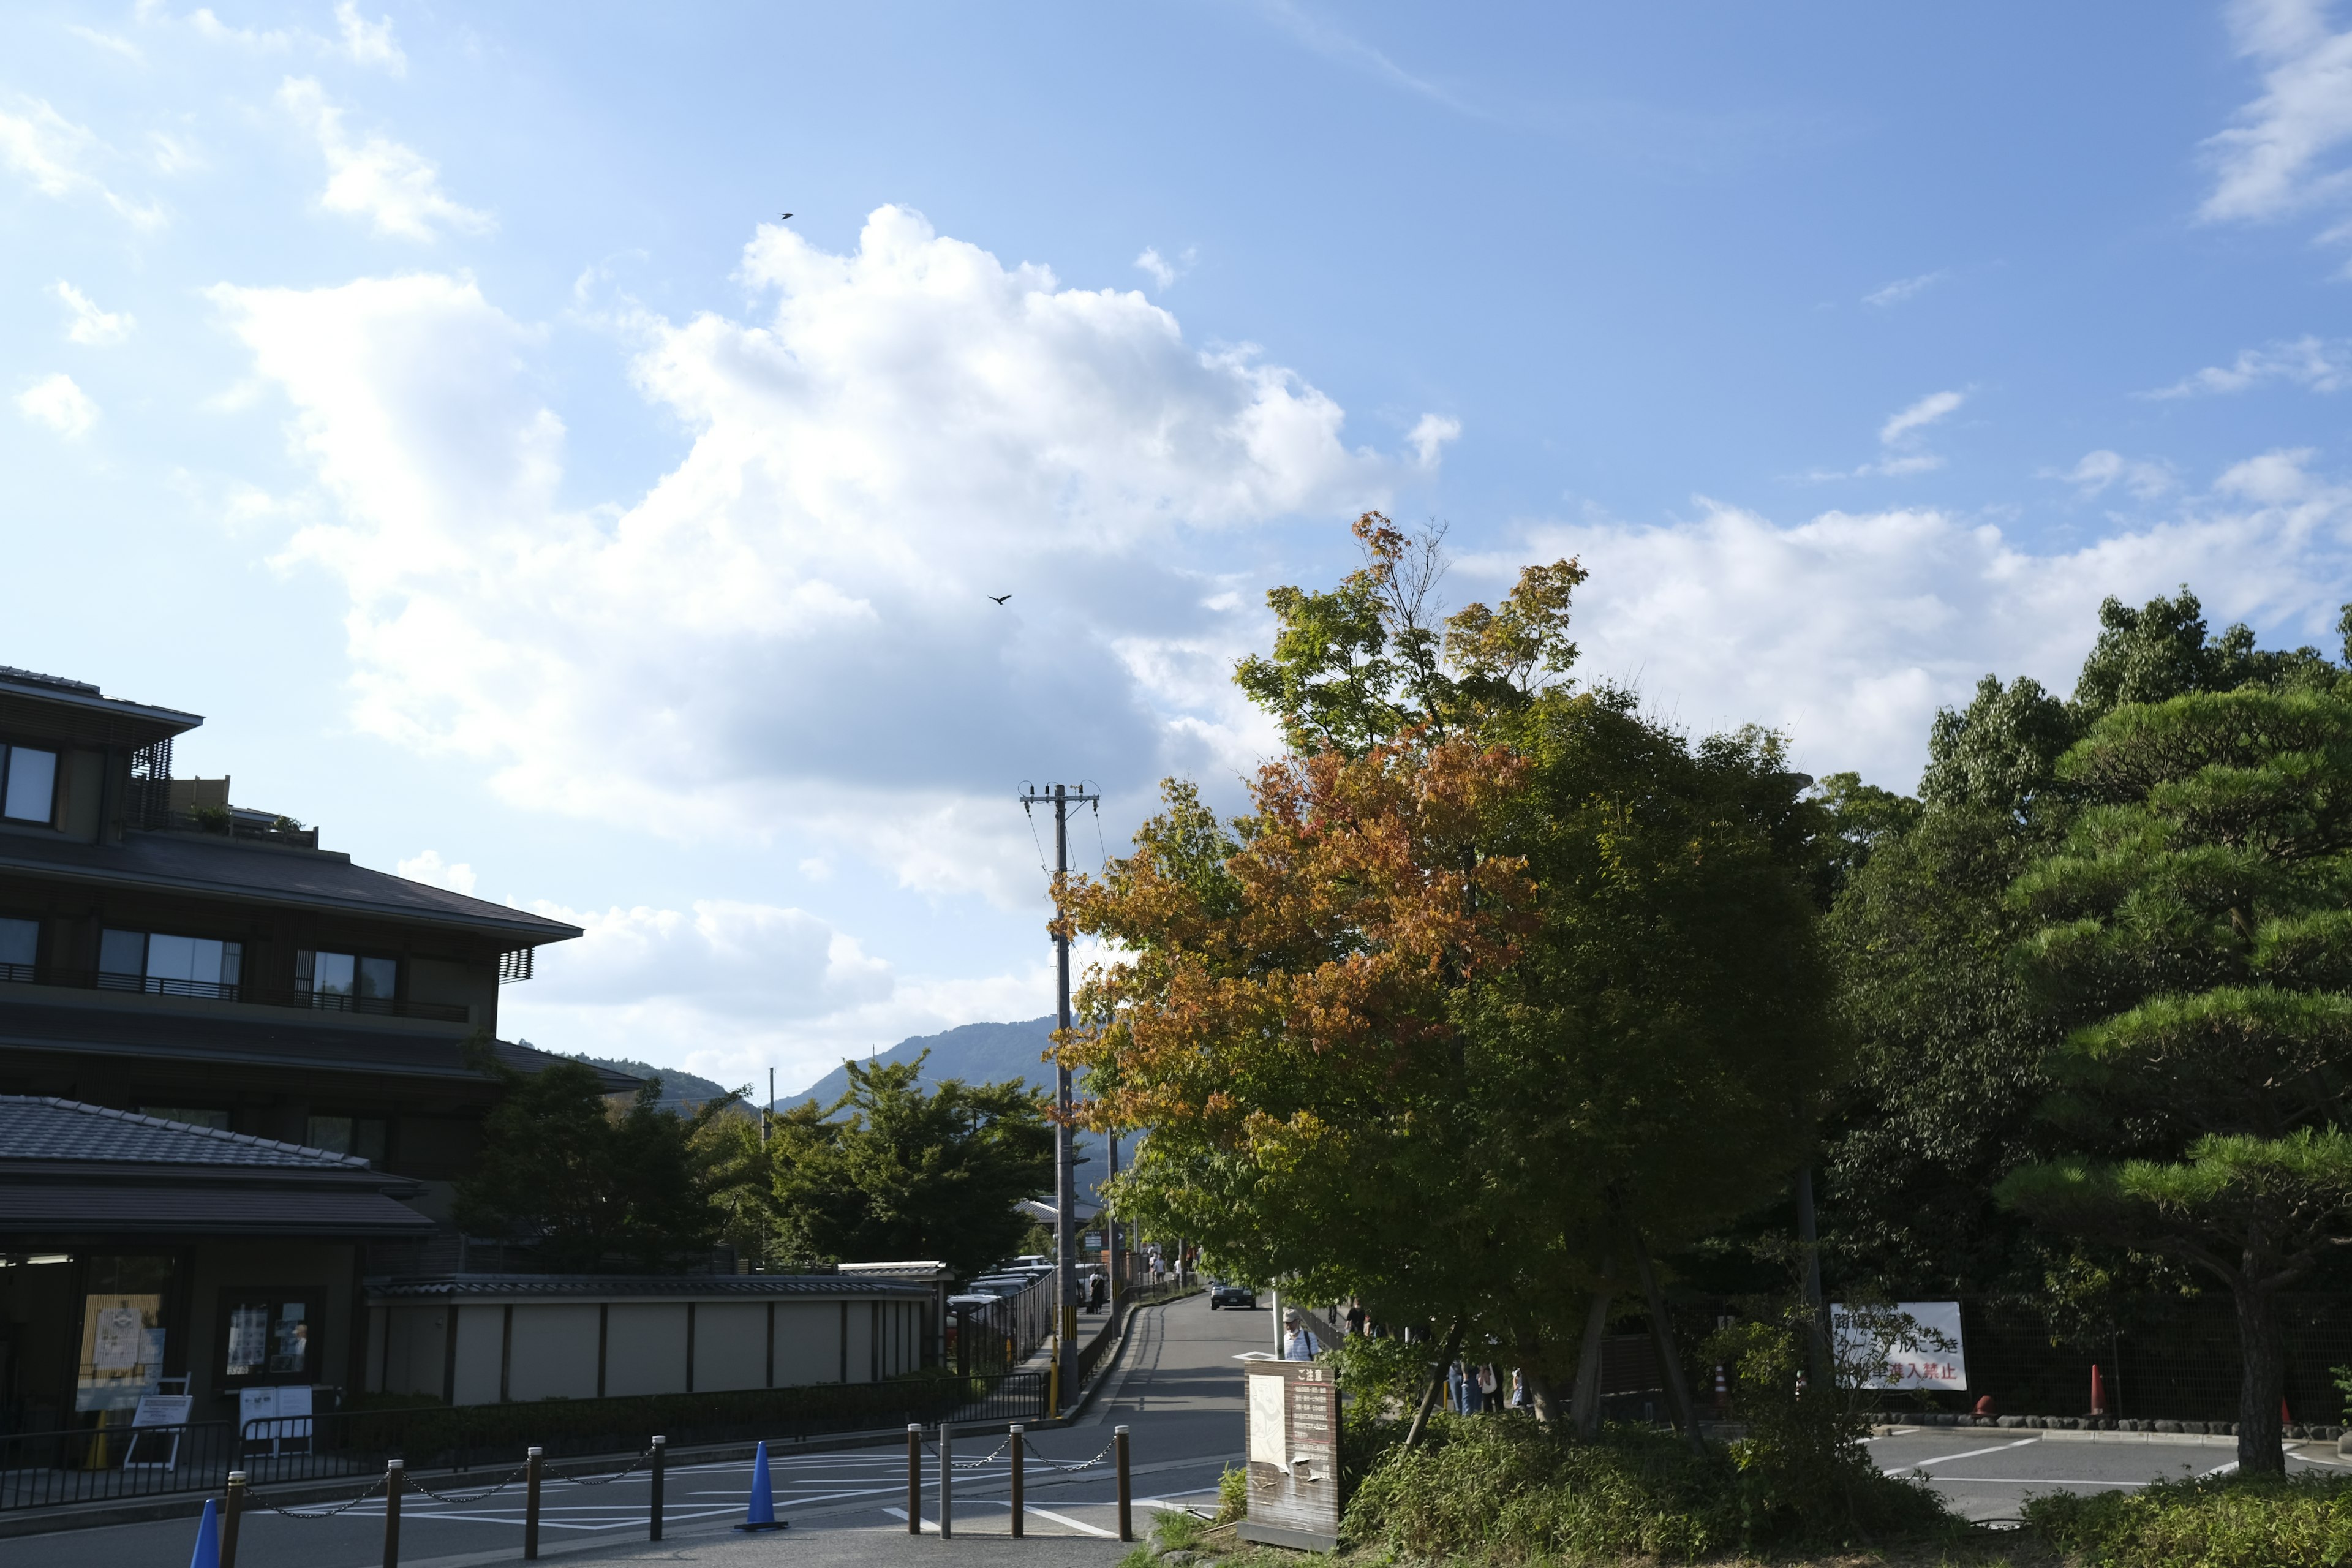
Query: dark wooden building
x=166, y=952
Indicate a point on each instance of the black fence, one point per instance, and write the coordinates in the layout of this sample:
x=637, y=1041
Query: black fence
x=44, y=1469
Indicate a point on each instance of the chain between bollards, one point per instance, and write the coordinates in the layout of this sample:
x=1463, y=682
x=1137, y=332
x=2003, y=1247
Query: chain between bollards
x=232, y=1513
x=661, y=1453
x=1126, y=1491
x=394, y=1474
x=533, y=1462
x=914, y=1478
x=1019, y=1436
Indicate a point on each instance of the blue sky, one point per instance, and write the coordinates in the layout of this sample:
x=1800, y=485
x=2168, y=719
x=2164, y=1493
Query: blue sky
x=433, y=398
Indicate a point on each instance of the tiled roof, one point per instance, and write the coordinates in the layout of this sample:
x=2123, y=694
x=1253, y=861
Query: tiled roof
x=42, y=1127
x=703, y=1287
x=312, y=878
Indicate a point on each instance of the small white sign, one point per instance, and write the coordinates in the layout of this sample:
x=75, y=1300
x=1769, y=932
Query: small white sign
x=1907, y=1364
x=1269, y=1431
x=162, y=1410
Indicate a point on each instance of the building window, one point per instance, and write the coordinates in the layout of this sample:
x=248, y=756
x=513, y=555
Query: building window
x=28, y=784
x=20, y=948
x=268, y=1337
x=169, y=965
x=346, y=982
x=366, y=1136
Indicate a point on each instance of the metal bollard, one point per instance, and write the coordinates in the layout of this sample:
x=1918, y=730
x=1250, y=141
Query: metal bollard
x=396, y=1477
x=534, y=1462
x=661, y=1452
x=1020, y=1435
x=914, y=1478
x=947, y=1482
x=232, y=1512
x=1126, y=1491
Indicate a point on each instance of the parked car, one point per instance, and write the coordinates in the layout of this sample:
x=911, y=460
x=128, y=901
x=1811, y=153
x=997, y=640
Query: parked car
x=1222, y=1294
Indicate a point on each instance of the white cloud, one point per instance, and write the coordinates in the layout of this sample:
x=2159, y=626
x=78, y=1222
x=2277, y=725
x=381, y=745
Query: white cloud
x=430, y=868
x=1903, y=289
x=57, y=404
x=1935, y=406
x=1162, y=271
x=369, y=43
x=2145, y=478
x=1849, y=630
x=2281, y=156
x=54, y=155
x=113, y=44
x=2315, y=364
x=789, y=628
x=91, y=325
x=1901, y=448
x=1428, y=438
x=394, y=187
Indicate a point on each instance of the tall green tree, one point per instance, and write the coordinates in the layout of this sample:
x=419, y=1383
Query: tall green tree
x=2193, y=928
x=1439, y=1021
x=893, y=1170
x=590, y=1184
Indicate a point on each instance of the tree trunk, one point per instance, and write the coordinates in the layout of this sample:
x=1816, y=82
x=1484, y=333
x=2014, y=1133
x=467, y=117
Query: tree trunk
x=2263, y=1385
x=1540, y=1395
x=1670, y=1362
x=1584, y=1400
x=1436, y=1383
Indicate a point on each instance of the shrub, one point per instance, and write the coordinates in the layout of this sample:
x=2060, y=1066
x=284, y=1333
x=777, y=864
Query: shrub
x=2225, y=1521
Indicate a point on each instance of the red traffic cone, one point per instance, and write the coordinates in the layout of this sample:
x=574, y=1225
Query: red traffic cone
x=2284, y=1419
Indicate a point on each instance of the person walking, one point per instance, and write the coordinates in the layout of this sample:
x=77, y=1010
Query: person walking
x=1299, y=1340
x=1488, y=1384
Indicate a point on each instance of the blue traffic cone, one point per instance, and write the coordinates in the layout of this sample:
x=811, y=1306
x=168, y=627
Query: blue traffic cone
x=207, y=1539
x=762, y=1512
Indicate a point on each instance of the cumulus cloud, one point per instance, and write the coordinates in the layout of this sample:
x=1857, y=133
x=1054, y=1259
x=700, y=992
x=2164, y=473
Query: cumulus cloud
x=1428, y=438
x=1849, y=630
x=91, y=325
x=55, y=156
x=434, y=871
x=2283, y=155
x=791, y=626
x=393, y=187
x=1903, y=289
x=56, y=404
x=1160, y=270
x=369, y=43
x=2315, y=364
x=2145, y=478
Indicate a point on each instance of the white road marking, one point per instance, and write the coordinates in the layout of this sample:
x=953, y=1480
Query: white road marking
x=901, y=1514
x=2222, y=1469
x=1072, y=1524
x=1970, y=1454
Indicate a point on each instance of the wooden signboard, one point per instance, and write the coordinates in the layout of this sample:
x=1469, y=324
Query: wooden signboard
x=1293, y=1455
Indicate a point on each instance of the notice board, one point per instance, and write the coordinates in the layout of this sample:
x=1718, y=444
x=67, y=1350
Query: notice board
x=1293, y=1455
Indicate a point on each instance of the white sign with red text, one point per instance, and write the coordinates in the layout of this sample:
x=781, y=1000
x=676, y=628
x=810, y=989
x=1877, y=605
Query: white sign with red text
x=1918, y=1361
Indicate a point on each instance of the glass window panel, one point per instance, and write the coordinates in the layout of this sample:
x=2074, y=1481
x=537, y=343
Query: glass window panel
x=304, y=960
x=248, y=1338
x=332, y=974
x=20, y=941
x=175, y=957
x=371, y=1139
x=290, y=1338
x=332, y=1134
x=379, y=977
x=232, y=963
x=32, y=785
x=122, y=953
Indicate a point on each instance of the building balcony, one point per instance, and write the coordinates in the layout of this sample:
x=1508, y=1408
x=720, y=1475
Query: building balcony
x=212, y=991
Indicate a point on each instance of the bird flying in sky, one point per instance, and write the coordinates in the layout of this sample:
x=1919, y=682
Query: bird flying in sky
x=1000, y=598
x=783, y=216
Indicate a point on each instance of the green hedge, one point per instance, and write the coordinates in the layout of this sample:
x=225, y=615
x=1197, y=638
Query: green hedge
x=2225, y=1521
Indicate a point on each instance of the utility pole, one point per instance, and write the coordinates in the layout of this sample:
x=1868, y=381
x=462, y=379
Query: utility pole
x=1110, y=1238
x=1066, y=1171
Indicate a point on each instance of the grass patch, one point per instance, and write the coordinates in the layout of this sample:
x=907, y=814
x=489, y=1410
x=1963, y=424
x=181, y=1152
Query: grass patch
x=2223, y=1521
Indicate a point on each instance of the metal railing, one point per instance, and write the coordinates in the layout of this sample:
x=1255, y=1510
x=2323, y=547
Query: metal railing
x=49, y=1469
x=228, y=991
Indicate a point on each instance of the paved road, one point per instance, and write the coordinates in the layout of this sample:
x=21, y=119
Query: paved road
x=1989, y=1474
x=1177, y=1387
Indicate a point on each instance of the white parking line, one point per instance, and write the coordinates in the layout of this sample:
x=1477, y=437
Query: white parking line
x=1072, y=1524
x=901, y=1514
x=1970, y=1454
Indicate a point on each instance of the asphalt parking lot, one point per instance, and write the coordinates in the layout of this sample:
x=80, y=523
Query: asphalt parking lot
x=1988, y=1473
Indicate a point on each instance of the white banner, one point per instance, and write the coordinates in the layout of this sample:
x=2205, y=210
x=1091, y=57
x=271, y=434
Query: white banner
x=1907, y=1364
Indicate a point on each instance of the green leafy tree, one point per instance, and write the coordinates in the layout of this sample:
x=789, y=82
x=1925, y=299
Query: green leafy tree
x=2193, y=928
x=591, y=1184
x=892, y=1170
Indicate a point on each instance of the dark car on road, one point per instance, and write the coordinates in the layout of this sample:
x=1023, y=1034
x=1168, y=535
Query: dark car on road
x=1221, y=1294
